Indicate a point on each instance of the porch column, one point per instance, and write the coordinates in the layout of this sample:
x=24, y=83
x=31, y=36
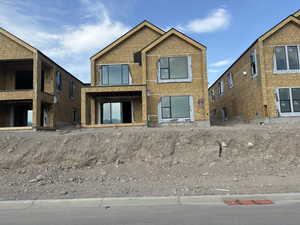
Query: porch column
x=144, y=106
x=36, y=101
x=93, y=111
x=83, y=108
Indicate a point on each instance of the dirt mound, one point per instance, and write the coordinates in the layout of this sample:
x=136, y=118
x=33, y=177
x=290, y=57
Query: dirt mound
x=148, y=161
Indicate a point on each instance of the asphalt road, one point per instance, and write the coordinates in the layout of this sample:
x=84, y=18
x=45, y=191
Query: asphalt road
x=282, y=213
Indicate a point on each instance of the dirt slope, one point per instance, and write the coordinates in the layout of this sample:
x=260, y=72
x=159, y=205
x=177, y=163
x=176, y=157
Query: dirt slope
x=149, y=161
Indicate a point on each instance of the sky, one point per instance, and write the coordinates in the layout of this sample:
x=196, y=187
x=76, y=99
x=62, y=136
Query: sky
x=71, y=31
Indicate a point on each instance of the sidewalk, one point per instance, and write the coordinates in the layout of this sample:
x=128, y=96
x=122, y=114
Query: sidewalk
x=145, y=201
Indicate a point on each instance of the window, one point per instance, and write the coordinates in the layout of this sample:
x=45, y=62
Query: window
x=114, y=74
x=221, y=88
x=174, y=69
x=253, y=63
x=288, y=101
x=175, y=107
x=229, y=80
x=72, y=88
x=286, y=59
x=111, y=113
x=213, y=97
x=58, y=81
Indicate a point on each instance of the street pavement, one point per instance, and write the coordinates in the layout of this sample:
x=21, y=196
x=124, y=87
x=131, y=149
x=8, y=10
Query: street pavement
x=280, y=213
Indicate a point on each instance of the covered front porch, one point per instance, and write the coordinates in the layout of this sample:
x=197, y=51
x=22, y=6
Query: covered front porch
x=111, y=108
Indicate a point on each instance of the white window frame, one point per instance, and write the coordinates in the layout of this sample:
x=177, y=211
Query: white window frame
x=253, y=53
x=221, y=88
x=213, y=97
x=288, y=70
x=230, y=80
x=191, y=106
x=286, y=114
x=188, y=79
x=113, y=64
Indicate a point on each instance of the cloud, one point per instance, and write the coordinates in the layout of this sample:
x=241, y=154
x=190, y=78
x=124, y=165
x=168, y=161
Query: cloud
x=217, y=19
x=221, y=63
x=213, y=71
x=71, y=45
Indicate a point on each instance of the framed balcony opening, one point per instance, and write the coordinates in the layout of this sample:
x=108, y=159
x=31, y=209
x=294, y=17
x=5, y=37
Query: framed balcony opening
x=16, y=75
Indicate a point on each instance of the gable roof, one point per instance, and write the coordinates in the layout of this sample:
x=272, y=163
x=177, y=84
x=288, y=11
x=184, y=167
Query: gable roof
x=282, y=23
x=17, y=40
x=135, y=29
x=170, y=32
x=33, y=49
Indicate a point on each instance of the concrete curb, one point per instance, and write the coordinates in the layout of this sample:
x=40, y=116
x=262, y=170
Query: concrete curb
x=144, y=201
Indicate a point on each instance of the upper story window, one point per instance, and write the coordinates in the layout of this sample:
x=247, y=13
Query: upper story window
x=253, y=63
x=230, y=80
x=58, y=80
x=174, y=69
x=115, y=74
x=221, y=88
x=72, y=89
x=286, y=59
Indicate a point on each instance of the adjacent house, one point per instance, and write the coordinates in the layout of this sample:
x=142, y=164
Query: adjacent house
x=35, y=92
x=147, y=77
x=264, y=82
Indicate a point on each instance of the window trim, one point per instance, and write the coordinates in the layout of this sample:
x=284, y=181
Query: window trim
x=286, y=114
x=191, y=111
x=58, y=87
x=221, y=88
x=99, y=83
x=254, y=54
x=230, y=77
x=189, y=66
x=288, y=70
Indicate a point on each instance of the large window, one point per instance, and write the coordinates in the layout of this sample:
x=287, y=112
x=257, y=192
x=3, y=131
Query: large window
x=175, y=107
x=58, y=81
x=114, y=74
x=253, y=63
x=174, y=69
x=289, y=101
x=286, y=59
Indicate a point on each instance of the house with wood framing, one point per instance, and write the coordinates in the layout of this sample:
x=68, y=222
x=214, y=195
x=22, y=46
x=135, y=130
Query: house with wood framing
x=35, y=92
x=147, y=77
x=263, y=84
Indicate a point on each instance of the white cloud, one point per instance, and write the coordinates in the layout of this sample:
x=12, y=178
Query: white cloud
x=221, y=63
x=70, y=45
x=213, y=71
x=217, y=19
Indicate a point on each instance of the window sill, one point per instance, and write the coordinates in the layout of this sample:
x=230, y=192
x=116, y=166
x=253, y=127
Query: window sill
x=291, y=114
x=175, y=81
x=286, y=71
x=175, y=120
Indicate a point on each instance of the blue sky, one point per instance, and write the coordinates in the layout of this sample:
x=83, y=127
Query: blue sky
x=70, y=31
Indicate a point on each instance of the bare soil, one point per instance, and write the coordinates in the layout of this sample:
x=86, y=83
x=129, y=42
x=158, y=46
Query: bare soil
x=123, y=162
